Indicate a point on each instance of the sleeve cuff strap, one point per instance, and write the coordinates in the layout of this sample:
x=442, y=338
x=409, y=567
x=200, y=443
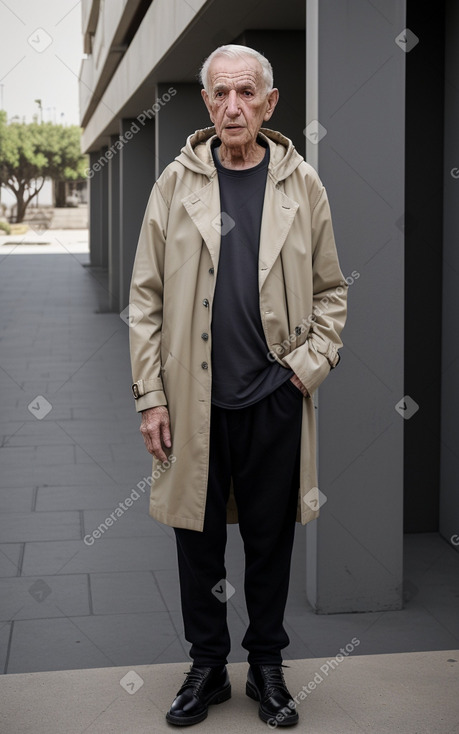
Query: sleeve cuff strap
x=141, y=387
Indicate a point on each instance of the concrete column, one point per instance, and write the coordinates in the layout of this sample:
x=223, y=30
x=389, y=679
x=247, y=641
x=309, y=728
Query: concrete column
x=423, y=265
x=95, y=210
x=137, y=176
x=104, y=211
x=449, y=496
x=114, y=227
x=98, y=209
x=183, y=112
x=356, y=92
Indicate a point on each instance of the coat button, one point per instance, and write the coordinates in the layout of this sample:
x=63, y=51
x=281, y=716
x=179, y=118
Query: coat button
x=205, y=302
x=298, y=330
x=204, y=365
x=211, y=271
x=205, y=336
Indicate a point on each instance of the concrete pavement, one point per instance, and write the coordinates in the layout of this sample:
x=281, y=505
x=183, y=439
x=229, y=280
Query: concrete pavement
x=411, y=693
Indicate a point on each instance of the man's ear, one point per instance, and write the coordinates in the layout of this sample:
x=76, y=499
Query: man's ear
x=273, y=98
x=205, y=97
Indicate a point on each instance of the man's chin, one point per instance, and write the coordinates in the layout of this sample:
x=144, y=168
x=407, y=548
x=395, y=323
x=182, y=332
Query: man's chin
x=235, y=136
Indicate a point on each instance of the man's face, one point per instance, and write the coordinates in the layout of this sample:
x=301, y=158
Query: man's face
x=238, y=103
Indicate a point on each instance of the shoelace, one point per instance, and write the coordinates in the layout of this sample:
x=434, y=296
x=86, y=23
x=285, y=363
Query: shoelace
x=273, y=678
x=195, y=679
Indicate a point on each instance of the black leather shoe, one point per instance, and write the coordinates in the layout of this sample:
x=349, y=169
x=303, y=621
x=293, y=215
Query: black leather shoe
x=202, y=687
x=265, y=683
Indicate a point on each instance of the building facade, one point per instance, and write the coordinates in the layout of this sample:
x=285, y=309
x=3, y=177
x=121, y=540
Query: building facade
x=369, y=95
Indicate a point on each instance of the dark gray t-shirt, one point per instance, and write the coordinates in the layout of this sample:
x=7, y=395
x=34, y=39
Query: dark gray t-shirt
x=242, y=374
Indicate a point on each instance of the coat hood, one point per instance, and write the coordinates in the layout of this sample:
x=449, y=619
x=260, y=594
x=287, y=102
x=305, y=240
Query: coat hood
x=196, y=154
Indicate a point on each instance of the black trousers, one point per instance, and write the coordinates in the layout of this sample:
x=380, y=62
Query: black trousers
x=259, y=447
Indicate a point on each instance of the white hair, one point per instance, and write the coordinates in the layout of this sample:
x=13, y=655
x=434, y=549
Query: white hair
x=234, y=51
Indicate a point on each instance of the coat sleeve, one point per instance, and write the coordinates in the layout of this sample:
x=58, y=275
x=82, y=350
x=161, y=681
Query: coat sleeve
x=313, y=360
x=146, y=305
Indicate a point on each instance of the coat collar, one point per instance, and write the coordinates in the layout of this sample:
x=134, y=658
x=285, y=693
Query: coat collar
x=196, y=155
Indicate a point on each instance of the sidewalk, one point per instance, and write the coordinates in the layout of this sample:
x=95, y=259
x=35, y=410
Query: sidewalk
x=71, y=451
x=413, y=693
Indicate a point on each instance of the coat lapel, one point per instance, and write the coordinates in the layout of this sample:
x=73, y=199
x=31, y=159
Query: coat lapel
x=278, y=214
x=203, y=207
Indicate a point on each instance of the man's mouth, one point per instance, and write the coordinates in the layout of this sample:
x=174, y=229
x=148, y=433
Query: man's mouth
x=233, y=127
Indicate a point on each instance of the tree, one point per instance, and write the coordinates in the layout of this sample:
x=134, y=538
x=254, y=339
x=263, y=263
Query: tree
x=30, y=153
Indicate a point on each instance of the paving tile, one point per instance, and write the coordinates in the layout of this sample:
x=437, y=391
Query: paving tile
x=5, y=631
x=30, y=526
x=90, y=642
x=21, y=456
x=120, y=593
x=103, y=428
x=35, y=434
x=397, y=631
x=131, y=471
x=106, y=554
x=132, y=450
x=53, y=644
x=174, y=652
x=437, y=595
x=16, y=499
x=10, y=555
x=130, y=524
x=131, y=638
x=44, y=597
x=168, y=583
x=297, y=649
x=87, y=452
x=88, y=497
x=64, y=474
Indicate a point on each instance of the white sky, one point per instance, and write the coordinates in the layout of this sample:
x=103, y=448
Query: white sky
x=46, y=67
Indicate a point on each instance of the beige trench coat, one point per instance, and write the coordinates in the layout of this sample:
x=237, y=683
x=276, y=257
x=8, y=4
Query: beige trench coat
x=302, y=307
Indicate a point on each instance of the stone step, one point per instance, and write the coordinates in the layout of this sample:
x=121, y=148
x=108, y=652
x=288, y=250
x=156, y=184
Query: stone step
x=70, y=218
x=403, y=693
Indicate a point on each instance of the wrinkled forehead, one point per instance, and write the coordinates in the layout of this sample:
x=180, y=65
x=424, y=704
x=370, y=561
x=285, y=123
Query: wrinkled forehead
x=234, y=72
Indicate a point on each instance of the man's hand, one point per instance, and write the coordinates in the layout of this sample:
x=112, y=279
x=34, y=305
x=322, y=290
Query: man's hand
x=155, y=429
x=297, y=382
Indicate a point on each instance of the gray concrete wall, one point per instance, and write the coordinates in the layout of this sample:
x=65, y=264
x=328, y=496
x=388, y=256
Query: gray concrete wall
x=182, y=114
x=114, y=229
x=137, y=176
x=354, y=550
x=449, y=495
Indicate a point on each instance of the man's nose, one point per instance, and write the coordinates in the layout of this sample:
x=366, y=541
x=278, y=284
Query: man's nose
x=233, y=108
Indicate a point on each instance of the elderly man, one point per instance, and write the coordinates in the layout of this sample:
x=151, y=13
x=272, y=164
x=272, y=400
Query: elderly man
x=237, y=303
